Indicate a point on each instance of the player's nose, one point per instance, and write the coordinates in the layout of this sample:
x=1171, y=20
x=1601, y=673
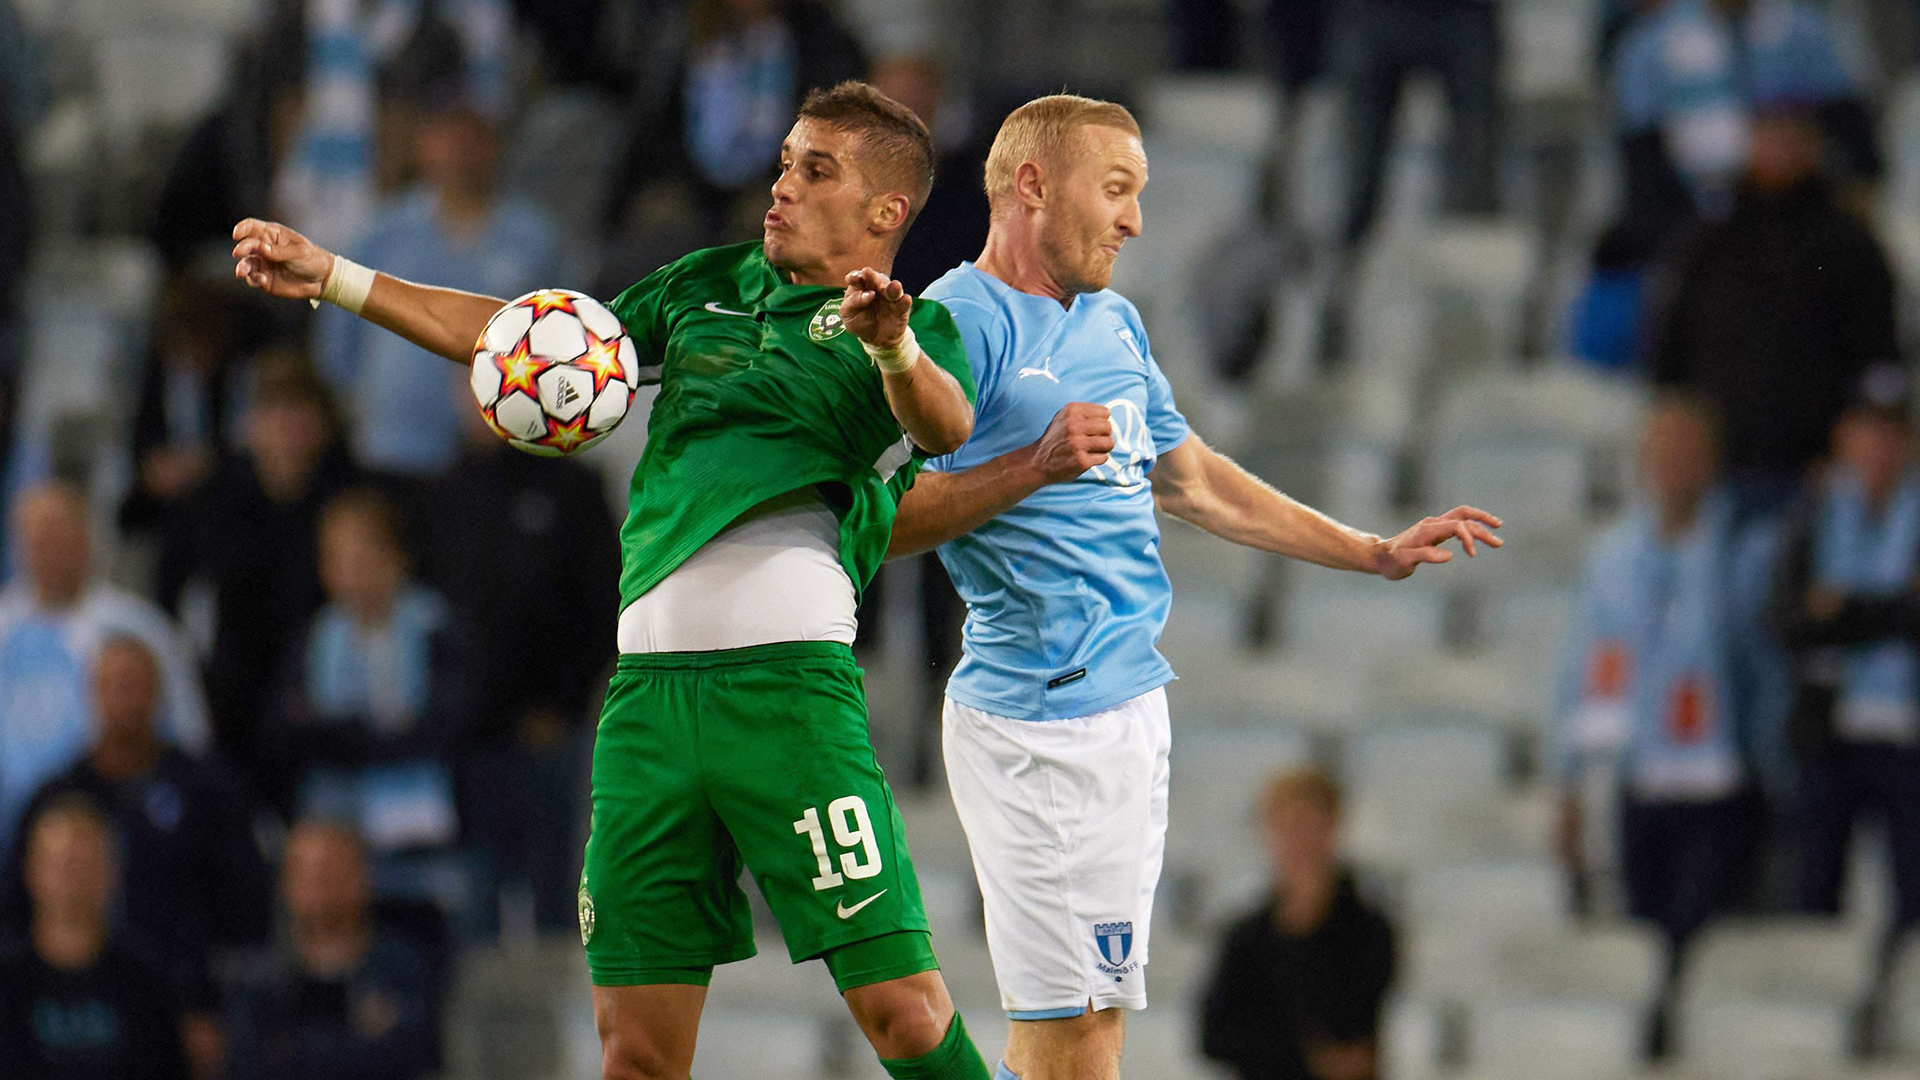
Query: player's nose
x=1131, y=222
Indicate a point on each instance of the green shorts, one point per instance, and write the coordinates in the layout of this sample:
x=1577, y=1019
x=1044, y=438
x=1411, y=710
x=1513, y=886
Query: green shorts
x=706, y=762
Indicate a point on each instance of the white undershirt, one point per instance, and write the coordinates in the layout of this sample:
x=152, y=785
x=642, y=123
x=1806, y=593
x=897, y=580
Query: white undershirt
x=772, y=575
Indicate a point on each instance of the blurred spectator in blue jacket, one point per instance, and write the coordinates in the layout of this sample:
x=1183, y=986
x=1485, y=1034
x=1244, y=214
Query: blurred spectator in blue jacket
x=452, y=228
x=1688, y=75
x=716, y=122
x=1664, y=698
x=78, y=1001
x=1846, y=605
x=53, y=620
x=343, y=999
x=247, y=536
x=381, y=691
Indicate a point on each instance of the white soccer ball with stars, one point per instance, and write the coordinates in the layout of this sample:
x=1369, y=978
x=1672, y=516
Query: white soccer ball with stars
x=554, y=372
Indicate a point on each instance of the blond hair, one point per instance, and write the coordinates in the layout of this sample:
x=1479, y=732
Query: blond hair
x=1301, y=784
x=1041, y=131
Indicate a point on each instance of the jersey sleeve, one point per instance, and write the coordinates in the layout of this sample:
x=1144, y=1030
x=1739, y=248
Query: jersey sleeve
x=939, y=337
x=1164, y=420
x=642, y=310
x=974, y=335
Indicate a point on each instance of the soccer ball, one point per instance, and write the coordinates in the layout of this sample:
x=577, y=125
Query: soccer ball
x=554, y=372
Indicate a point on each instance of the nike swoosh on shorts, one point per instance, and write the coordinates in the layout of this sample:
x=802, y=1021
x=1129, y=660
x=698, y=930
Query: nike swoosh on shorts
x=841, y=909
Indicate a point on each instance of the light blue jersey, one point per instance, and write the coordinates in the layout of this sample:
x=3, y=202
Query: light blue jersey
x=1066, y=595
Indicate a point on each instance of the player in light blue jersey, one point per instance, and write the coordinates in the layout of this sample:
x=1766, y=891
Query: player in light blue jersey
x=1056, y=731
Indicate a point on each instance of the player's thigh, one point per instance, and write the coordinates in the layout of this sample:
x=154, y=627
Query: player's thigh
x=792, y=775
x=659, y=889
x=1085, y=1047
x=647, y=1032
x=1066, y=820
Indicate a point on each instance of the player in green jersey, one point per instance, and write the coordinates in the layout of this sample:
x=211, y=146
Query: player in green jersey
x=800, y=389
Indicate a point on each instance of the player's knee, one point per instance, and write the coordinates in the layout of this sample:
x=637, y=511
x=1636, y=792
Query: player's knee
x=900, y=1019
x=629, y=1059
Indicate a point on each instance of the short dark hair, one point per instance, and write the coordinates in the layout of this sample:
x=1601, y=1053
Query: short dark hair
x=896, y=149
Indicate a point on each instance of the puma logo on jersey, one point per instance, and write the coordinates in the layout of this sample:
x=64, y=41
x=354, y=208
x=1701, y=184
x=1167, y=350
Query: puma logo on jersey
x=714, y=306
x=841, y=909
x=1043, y=370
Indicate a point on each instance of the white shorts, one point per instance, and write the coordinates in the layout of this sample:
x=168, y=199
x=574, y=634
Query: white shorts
x=1067, y=820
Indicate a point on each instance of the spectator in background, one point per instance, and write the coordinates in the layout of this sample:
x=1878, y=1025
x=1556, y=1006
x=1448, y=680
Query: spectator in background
x=249, y=536
x=524, y=549
x=76, y=1003
x=194, y=880
x=1846, y=606
x=1775, y=312
x=227, y=167
x=744, y=67
x=53, y=619
x=1300, y=982
x=380, y=690
x=952, y=227
x=1378, y=46
x=1688, y=75
x=343, y=1000
x=452, y=227
x=189, y=391
x=1664, y=684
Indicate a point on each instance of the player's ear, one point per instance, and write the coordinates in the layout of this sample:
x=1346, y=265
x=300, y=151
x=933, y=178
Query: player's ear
x=1030, y=185
x=890, y=213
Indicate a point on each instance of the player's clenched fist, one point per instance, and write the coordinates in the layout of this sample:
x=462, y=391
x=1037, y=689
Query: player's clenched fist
x=875, y=308
x=278, y=261
x=1080, y=437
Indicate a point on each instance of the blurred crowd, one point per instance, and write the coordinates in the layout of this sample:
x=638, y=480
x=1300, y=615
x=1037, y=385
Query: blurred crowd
x=251, y=807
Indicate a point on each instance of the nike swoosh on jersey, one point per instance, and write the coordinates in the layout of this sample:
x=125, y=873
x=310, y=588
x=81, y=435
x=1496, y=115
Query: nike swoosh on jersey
x=841, y=909
x=714, y=306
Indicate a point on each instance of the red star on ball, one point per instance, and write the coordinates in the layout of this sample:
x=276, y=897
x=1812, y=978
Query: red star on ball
x=518, y=369
x=603, y=359
x=544, y=302
x=569, y=437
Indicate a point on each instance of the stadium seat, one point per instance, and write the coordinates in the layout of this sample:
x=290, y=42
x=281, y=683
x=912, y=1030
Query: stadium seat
x=1354, y=617
x=1765, y=1040
x=156, y=81
x=1491, y=899
x=1533, y=1038
x=1790, y=959
x=1903, y=998
x=1478, y=275
x=1423, y=768
x=1413, y=1037
x=761, y=1045
x=1238, y=113
x=1620, y=963
x=1551, y=49
x=1538, y=484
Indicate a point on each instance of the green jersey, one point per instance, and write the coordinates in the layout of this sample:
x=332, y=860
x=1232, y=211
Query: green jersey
x=762, y=392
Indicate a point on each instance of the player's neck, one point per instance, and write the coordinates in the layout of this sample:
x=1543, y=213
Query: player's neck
x=1017, y=262
x=834, y=274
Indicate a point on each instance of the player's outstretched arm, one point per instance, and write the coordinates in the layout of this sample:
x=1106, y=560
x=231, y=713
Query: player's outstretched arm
x=280, y=262
x=942, y=506
x=1198, y=484
x=932, y=408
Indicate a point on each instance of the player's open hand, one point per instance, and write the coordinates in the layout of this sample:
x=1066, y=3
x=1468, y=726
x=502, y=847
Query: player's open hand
x=1398, y=557
x=1080, y=437
x=278, y=261
x=875, y=308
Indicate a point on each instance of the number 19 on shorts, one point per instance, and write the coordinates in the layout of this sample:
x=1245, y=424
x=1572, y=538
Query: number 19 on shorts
x=852, y=830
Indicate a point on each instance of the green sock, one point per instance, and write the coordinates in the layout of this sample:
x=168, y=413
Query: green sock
x=955, y=1058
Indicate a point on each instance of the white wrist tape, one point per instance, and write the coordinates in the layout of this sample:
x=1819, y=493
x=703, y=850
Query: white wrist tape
x=897, y=360
x=347, y=285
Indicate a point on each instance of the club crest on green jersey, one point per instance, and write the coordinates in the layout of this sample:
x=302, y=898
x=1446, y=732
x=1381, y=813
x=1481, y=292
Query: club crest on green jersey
x=827, y=324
